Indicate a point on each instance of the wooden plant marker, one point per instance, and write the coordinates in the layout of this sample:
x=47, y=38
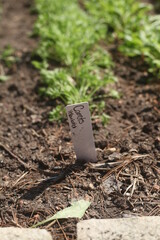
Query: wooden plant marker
x=81, y=130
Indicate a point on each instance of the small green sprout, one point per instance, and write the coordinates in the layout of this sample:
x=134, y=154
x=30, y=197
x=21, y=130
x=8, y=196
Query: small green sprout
x=7, y=56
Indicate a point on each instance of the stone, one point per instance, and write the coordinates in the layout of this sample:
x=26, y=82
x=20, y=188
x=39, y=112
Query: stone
x=114, y=156
x=111, y=184
x=108, y=151
x=135, y=228
x=13, y=233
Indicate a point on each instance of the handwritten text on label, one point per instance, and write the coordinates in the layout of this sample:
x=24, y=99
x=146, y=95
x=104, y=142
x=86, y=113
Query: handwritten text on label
x=81, y=129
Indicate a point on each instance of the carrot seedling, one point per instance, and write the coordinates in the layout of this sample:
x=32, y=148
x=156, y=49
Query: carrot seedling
x=70, y=36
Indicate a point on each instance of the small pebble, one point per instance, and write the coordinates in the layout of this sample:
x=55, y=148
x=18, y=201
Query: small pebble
x=114, y=156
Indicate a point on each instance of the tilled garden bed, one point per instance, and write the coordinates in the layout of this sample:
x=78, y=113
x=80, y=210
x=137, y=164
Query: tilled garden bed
x=125, y=181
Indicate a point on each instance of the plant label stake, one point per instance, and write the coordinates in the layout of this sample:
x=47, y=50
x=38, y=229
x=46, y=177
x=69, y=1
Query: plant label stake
x=81, y=130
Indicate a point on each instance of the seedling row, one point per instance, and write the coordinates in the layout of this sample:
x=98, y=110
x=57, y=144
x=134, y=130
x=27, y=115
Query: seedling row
x=71, y=34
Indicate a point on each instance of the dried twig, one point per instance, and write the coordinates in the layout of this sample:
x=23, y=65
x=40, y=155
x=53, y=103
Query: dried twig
x=123, y=164
x=51, y=224
x=125, y=193
x=15, y=219
x=17, y=158
x=156, y=168
x=22, y=176
x=134, y=181
x=64, y=234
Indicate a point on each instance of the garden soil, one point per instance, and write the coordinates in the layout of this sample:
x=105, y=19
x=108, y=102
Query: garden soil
x=38, y=173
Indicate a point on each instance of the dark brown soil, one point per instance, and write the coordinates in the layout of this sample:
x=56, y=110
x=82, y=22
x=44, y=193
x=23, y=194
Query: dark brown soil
x=126, y=180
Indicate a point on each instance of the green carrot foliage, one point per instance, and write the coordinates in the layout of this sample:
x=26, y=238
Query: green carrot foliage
x=130, y=21
x=70, y=36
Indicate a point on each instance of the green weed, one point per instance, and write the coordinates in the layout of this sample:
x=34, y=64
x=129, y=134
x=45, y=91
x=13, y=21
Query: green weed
x=7, y=56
